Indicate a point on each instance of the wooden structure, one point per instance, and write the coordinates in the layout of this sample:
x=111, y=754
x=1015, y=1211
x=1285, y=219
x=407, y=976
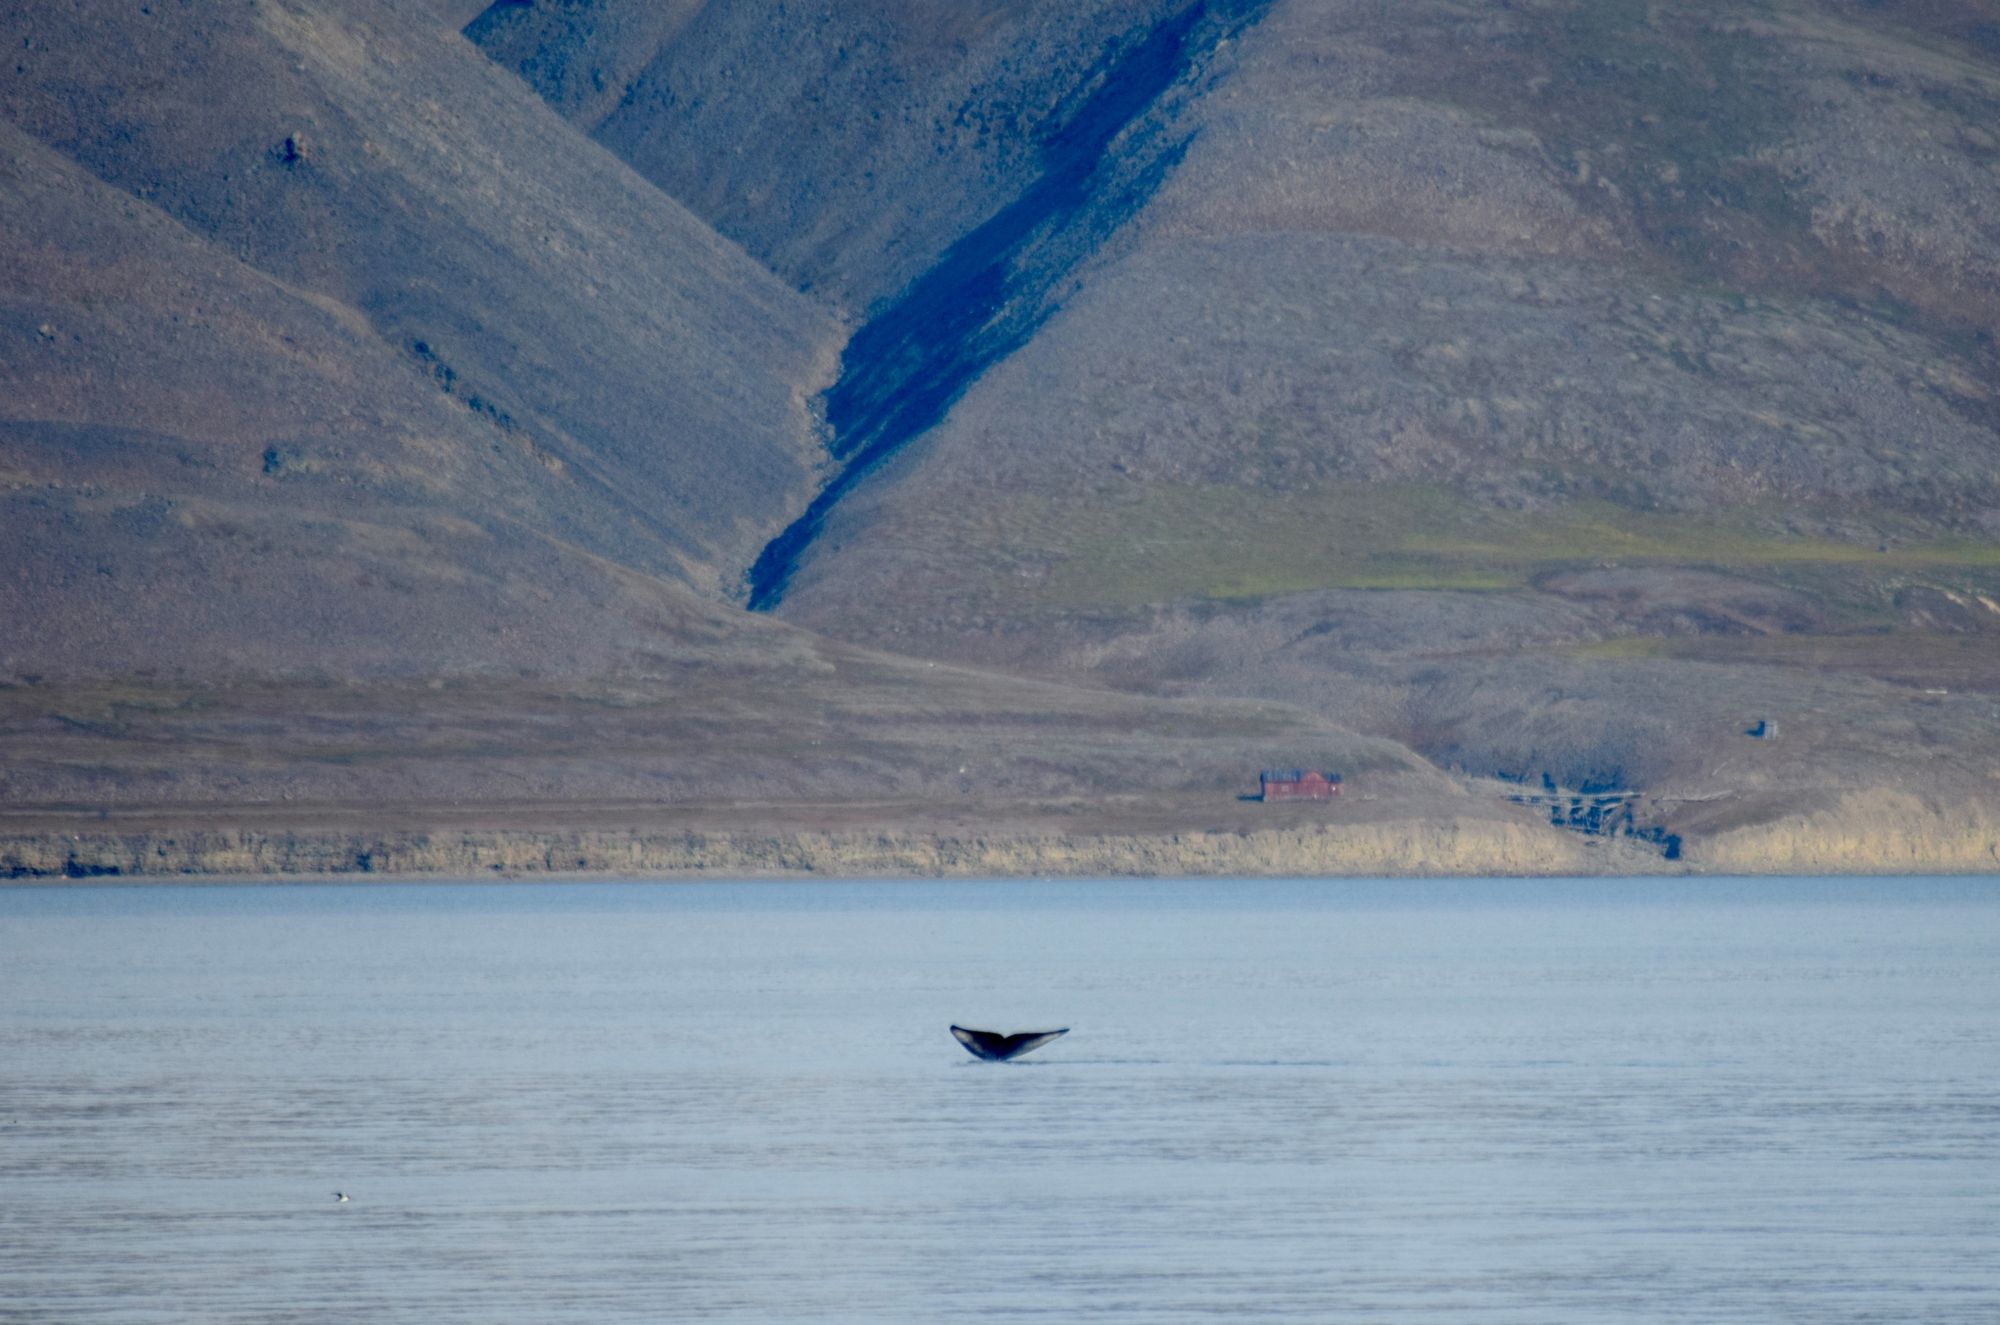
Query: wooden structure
x=1298, y=785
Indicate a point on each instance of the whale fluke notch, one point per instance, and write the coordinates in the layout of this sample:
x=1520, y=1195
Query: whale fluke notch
x=998, y=1048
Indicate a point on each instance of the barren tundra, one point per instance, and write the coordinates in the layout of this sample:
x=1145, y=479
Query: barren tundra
x=894, y=436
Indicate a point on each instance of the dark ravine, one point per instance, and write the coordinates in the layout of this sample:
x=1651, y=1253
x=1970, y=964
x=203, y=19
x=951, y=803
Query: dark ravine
x=990, y=291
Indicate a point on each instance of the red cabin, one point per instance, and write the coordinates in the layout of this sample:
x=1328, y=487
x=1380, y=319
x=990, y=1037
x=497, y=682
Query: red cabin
x=1298, y=785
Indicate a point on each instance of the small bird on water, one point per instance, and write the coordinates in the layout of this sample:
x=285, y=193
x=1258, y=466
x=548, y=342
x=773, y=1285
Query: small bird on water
x=998, y=1048
x=340, y=1198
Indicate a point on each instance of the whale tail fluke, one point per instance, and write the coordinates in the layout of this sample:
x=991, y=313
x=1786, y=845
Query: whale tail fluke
x=998, y=1048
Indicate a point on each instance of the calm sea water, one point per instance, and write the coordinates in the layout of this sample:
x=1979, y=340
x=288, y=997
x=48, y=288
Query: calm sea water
x=1476, y=1101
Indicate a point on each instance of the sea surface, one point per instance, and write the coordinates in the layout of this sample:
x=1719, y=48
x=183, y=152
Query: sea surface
x=1472, y=1101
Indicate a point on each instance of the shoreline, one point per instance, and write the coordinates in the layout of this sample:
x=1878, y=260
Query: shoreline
x=1966, y=842
x=1410, y=848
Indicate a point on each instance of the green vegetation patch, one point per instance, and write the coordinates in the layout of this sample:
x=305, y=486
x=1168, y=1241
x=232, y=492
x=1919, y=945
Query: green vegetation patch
x=1160, y=543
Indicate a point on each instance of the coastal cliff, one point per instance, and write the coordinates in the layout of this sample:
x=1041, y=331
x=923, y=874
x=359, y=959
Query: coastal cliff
x=1871, y=832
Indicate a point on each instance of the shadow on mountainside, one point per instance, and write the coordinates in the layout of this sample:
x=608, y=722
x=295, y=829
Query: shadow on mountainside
x=993, y=288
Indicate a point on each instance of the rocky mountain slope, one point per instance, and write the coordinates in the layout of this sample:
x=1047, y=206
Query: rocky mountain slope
x=1563, y=389
x=649, y=383
x=1576, y=413
x=378, y=449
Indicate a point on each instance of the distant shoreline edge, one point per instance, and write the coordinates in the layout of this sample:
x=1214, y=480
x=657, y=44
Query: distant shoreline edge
x=1863, y=841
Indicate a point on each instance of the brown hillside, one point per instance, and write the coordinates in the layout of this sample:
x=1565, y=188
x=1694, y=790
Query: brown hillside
x=365, y=155
x=369, y=436
x=1562, y=389
x=1596, y=400
x=210, y=472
